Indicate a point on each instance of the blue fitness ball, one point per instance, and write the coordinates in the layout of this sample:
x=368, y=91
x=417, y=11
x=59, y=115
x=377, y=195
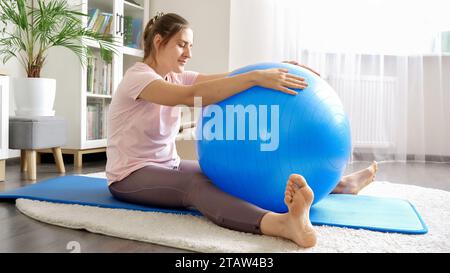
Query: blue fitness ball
x=250, y=143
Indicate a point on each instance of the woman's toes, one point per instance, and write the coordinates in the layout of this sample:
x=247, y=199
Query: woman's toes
x=298, y=180
x=290, y=189
x=288, y=199
x=288, y=193
x=308, y=194
x=374, y=167
x=291, y=184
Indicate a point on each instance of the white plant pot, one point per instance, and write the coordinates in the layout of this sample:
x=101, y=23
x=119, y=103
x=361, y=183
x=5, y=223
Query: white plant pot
x=34, y=96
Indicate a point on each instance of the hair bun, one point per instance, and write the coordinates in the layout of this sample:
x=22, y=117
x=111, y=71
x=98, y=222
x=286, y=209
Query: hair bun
x=156, y=18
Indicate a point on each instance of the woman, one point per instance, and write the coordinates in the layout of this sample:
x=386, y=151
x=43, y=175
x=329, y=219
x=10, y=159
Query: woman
x=143, y=166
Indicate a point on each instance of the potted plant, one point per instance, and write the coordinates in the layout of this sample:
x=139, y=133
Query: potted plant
x=28, y=31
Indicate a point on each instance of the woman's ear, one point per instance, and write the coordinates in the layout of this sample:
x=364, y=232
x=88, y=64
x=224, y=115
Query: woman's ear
x=157, y=41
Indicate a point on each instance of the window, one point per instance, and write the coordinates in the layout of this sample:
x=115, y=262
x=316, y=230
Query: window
x=368, y=26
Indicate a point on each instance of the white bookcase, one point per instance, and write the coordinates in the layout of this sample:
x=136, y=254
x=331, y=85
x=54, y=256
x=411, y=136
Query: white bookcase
x=4, y=123
x=86, y=111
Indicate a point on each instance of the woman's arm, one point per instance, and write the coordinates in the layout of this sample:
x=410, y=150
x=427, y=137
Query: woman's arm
x=212, y=91
x=207, y=77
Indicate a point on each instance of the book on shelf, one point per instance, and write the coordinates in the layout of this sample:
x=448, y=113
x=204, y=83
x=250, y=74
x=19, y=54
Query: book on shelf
x=137, y=32
x=90, y=120
x=96, y=120
x=128, y=32
x=99, y=76
x=92, y=17
x=107, y=19
x=132, y=32
x=90, y=76
x=99, y=21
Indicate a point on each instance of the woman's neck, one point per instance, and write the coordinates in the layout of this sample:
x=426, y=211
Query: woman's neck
x=158, y=69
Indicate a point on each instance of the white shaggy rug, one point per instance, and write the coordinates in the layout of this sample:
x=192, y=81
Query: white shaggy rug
x=199, y=234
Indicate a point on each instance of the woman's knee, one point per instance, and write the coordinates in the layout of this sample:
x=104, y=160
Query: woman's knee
x=197, y=189
x=118, y=194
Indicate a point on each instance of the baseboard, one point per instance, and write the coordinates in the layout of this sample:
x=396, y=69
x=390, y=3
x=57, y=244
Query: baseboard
x=365, y=156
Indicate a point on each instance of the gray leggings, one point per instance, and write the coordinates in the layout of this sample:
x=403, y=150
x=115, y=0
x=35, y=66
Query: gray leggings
x=188, y=187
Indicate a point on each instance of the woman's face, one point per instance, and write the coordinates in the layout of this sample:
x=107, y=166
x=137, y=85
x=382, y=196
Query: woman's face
x=174, y=56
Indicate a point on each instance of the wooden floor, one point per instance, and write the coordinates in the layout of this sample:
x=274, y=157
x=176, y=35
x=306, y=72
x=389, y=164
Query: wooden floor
x=19, y=233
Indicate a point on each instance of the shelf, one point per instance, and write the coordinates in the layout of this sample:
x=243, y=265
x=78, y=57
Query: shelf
x=90, y=95
x=89, y=118
x=104, y=6
x=94, y=143
x=90, y=43
x=133, y=52
x=133, y=10
x=131, y=6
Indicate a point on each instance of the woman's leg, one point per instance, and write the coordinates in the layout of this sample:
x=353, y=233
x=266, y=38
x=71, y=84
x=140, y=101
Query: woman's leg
x=185, y=188
x=295, y=224
x=189, y=187
x=354, y=182
x=153, y=186
x=220, y=207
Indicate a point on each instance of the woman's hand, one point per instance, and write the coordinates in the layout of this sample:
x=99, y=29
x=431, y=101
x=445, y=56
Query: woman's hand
x=304, y=66
x=279, y=79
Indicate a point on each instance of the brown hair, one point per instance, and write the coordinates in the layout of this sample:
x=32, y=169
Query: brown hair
x=166, y=25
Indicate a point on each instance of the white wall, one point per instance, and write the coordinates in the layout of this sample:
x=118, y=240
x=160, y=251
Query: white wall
x=210, y=23
x=248, y=32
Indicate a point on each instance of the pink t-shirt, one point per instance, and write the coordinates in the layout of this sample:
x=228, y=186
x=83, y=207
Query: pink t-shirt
x=142, y=133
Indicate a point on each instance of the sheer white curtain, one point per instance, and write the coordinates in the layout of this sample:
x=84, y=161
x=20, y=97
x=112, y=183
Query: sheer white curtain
x=387, y=61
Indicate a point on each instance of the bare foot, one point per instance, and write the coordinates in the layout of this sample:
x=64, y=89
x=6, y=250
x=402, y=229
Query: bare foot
x=355, y=182
x=298, y=198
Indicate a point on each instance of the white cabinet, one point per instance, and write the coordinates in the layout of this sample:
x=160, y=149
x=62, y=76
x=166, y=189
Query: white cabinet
x=80, y=99
x=4, y=123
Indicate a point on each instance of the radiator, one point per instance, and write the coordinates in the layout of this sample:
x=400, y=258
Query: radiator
x=370, y=104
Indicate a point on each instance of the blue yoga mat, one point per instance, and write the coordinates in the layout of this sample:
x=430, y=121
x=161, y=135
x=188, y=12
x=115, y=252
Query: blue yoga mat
x=342, y=210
